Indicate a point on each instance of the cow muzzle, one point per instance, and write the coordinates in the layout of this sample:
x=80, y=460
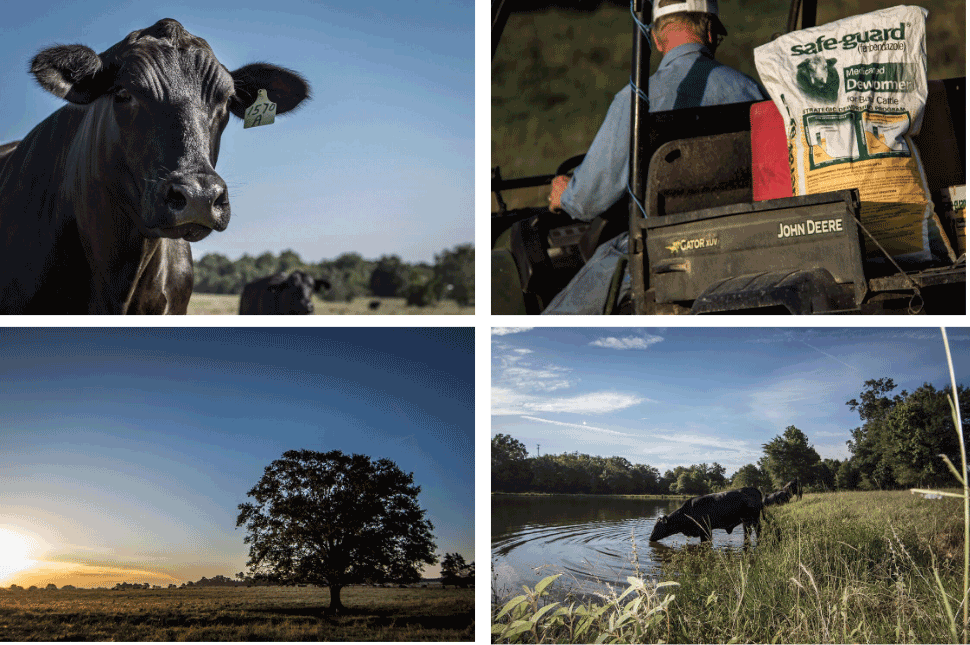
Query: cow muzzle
x=194, y=206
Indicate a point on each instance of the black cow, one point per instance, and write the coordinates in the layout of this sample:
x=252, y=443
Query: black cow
x=794, y=488
x=700, y=515
x=281, y=294
x=99, y=202
x=778, y=498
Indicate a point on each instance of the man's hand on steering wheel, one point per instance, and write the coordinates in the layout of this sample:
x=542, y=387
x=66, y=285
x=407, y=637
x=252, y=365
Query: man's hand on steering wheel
x=561, y=181
x=559, y=184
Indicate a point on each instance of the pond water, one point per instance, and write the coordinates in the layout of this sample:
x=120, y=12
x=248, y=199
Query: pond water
x=595, y=541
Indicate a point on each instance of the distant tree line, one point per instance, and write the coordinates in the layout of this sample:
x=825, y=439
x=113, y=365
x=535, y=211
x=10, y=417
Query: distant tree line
x=898, y=446
x=452, y=276
x=455, y=571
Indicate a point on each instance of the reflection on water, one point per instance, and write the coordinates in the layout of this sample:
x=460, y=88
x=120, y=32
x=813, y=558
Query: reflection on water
x=596, y=541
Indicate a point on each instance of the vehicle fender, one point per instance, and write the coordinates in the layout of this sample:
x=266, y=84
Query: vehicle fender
x=800, y=292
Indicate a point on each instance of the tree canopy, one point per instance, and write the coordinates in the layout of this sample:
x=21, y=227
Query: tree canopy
x=509, y=469
x=789, y=456
x=455, y=571
x=902, y=436
x=333, y=519
x=451, y=277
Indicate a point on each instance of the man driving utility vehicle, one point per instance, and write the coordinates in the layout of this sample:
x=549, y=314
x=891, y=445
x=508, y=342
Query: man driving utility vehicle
x=687, y=33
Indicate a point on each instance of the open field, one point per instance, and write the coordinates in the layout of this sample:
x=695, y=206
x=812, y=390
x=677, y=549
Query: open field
x=238, y=614
x=869, y=567
x=228, y=305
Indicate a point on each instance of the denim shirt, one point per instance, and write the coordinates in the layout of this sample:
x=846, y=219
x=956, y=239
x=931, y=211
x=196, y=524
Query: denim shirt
x=688, y=76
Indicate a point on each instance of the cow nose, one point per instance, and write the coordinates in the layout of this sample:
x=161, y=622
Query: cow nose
x=199, y=199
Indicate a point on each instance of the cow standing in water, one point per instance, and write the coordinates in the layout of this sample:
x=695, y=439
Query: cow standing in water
x=699, y=516
x=99, y=202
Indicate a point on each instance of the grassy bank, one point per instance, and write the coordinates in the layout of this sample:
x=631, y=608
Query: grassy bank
x=237, y=614
x=228, y=305
x=840, y=567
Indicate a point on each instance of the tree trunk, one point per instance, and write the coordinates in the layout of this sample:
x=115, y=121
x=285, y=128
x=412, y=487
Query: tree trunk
x=335, y=604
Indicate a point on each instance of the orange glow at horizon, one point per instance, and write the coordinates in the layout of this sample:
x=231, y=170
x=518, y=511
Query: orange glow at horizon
x=43, y=573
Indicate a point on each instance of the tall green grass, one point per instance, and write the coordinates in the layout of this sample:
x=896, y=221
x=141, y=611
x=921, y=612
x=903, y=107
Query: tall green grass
x=964, y=479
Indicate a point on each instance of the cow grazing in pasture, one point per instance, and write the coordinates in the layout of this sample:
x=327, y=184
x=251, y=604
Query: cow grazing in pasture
x=374, y=305
x=777, y=498
x=700, y=515
x=99, y=202
x=281, y=294
x=794, y=488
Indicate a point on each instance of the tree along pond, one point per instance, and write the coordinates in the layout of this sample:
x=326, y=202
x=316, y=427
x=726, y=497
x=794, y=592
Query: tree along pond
x=588, y=538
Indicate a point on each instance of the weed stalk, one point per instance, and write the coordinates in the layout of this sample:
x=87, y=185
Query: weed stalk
x=954, y=401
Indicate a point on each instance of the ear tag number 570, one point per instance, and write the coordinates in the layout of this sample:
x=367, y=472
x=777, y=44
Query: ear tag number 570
x=261, y=112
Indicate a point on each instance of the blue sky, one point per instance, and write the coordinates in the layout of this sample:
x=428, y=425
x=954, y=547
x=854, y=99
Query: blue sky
x=381, y=160
x=126, y=452
x=680, y=396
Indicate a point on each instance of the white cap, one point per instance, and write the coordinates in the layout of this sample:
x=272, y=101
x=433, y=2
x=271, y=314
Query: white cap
x=703, y=6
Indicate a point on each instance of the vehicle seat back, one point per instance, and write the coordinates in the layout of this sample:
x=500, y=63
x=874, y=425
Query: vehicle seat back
x=702, y=172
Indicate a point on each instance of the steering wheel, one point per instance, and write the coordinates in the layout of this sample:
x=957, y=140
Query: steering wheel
x=567, y=166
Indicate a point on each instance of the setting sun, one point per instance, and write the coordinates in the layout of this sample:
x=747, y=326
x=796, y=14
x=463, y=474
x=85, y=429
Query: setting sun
x=16, y=550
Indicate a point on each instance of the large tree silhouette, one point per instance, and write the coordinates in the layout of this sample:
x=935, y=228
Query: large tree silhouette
x=333, y=519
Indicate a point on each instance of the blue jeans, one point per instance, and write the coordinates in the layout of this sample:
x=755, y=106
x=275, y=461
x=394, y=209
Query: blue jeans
x=586, y=293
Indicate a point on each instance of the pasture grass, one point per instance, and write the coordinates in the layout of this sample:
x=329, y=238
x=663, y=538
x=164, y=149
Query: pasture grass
x=238, y=614
x=211, y=304
x=835, y=567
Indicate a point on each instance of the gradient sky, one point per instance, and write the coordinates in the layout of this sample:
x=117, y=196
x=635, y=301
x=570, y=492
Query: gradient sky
x=126, y=452
x=680, y=396
x=379, y=162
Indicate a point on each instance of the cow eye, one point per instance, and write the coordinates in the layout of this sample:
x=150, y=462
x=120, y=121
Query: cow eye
x=122, y=95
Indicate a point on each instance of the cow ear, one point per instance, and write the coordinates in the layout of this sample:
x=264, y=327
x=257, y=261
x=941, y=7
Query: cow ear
x=69, y=72
x=284, y=87
x=278, y=281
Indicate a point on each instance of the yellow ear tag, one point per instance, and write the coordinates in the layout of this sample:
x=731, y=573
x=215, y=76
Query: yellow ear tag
x=261, y=112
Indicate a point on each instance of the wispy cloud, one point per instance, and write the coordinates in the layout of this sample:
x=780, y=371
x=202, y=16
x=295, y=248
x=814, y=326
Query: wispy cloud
x=784, y=400
x=845, y=434
x=627, y=342
x=548, y=378
x=509, y=401
x=709, y=441
x=505, y=331
x=580, y=426
x=834, y=358
x=665, y=450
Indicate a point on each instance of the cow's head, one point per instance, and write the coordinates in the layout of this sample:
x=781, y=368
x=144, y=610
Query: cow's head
x=294, y=292
x=661, y=529
x=157, y=104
